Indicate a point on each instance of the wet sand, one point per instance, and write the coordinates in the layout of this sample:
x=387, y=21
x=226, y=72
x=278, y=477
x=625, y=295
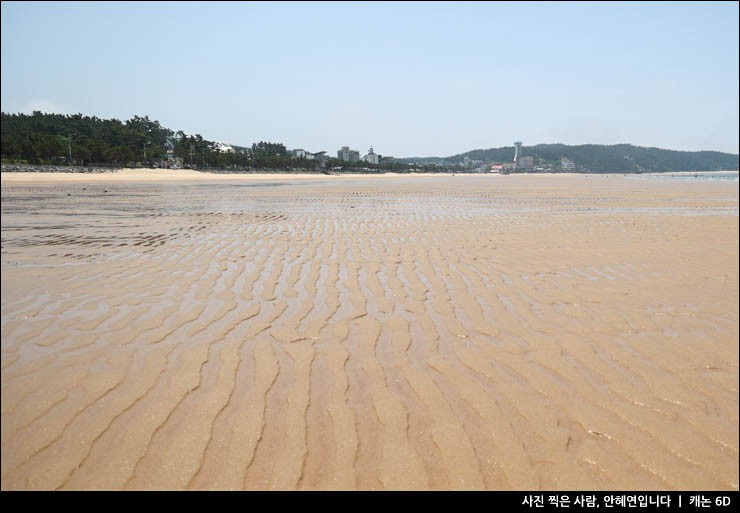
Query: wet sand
x=189, y=175
x=427, y=333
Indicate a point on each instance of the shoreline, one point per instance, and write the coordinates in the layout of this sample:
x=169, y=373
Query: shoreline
x=146, y=175
x=130, y=174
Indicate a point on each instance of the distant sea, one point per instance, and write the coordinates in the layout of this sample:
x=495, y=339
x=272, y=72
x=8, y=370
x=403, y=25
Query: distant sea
x=726, y=176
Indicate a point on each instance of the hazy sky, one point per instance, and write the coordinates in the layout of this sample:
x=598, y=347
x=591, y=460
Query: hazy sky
x=411, y=79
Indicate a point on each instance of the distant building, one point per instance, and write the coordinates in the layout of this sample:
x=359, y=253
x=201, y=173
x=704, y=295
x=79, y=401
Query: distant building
x=526, y=163
x=348, y=155
x=497, y=168
x=567, y=165
x=300, y=153
x=371, y=157
x=224, y=148
x=320, y=157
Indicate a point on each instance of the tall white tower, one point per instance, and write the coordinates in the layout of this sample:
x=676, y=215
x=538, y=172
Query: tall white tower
x=517, y=151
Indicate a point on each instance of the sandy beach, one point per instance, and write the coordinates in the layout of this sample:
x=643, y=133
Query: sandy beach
x=176, y=330
x=176, y=175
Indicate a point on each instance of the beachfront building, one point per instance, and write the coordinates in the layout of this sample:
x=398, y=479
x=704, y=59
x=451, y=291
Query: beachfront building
x=300, y=153
x=526, y=163
x=348, y=155
x=567, y=165
x=371, y=157
x=320, y=157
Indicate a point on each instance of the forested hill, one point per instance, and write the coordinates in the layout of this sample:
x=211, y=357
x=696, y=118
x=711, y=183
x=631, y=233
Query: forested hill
x=622, y=158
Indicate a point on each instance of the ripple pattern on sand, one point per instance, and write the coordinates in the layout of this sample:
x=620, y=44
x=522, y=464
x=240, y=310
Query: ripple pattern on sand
x=447, y=333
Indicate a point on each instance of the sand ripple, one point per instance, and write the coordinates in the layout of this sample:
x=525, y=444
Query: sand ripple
x=425, y=333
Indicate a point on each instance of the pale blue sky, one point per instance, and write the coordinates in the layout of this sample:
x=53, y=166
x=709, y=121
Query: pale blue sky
x=412, y=79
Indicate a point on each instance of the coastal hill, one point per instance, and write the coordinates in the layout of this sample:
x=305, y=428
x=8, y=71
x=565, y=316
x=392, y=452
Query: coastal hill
x=599, y=158
x=78, y=140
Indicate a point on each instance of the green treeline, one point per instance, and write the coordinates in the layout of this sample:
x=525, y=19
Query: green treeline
x=61, y=139
x=75, y=139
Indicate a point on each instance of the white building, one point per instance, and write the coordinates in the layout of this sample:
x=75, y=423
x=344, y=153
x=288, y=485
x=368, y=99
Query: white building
x=223, y=147
x=300, y=153
x=567, y=165
x=371, y=157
